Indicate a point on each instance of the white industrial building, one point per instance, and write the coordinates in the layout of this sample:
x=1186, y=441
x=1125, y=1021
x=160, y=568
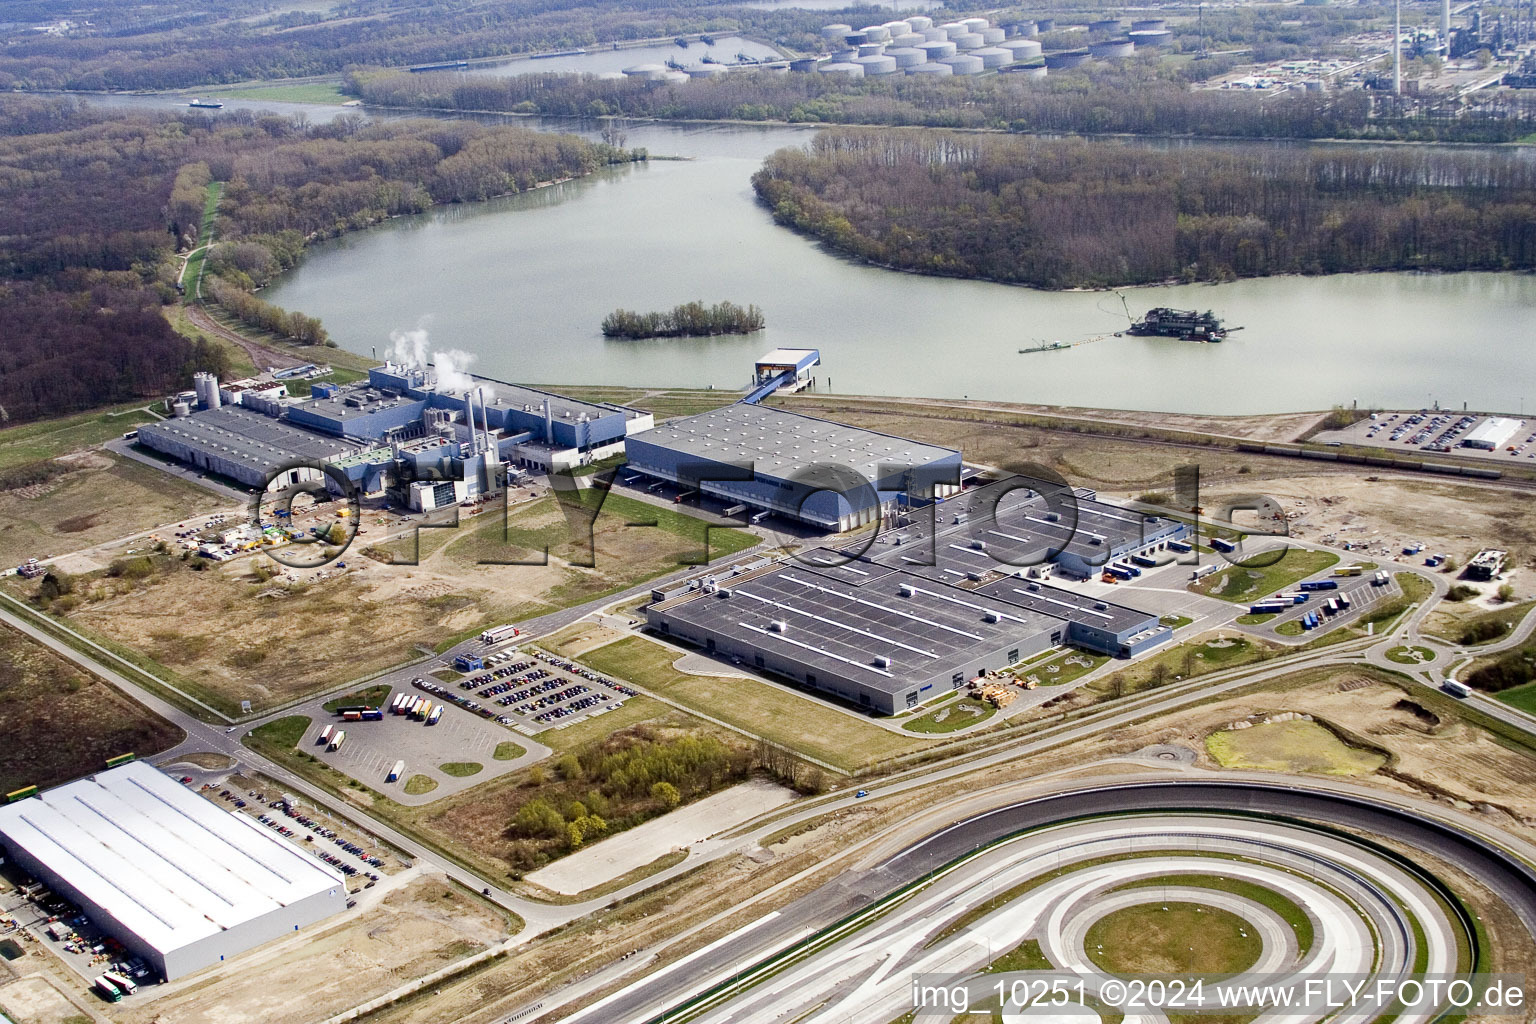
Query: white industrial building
x=1493, y=433
x=176, y=879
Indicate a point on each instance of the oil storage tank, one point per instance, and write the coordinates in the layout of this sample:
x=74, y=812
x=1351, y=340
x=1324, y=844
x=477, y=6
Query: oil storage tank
x=1104, y=25
x=877, y=64
x=968, y=41
x=1022, y=49
x=1151, y=37
x=646, y=72
x=1149, y=25
x=1060, y=60
x=835, y=33
x=875, y=33
x=716, y=71
x=938, y=51
x=1112, y=49
x=907, y=56
x=801, y=64
x=918, y=22
x=993, y=56
x=1022, y=29
x=964, y=64
x=909, y=39
x=976, y=24
x=932, y=70
x=846, y=70
x=871, y=49
x=953, y=28
x=992, y=36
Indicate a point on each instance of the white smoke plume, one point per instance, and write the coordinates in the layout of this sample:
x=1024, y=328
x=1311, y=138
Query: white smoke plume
x=410, y=349
x=452, y=371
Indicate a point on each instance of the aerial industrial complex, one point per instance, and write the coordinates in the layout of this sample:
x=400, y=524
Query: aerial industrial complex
x=175, y=879
x=928, y=612
x=405, y=429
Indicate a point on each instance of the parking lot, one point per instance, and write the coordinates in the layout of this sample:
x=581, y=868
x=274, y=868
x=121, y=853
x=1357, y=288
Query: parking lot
x=1432, y=432
x=538, y=691
x=1362, y=592
x=43, y=914
x=371, y=749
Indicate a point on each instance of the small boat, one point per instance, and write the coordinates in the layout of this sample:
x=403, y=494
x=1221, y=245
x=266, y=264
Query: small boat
x=1052, y=346
x=207, y=104
x=1185, y=324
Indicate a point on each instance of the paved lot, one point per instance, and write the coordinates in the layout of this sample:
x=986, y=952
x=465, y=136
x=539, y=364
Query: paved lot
x=538, y=691
x=1362, y=593
x=372, y=748
x=1431, y=431
x=604, y=861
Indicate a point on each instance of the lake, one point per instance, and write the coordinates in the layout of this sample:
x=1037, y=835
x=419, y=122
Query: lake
x=524, y=282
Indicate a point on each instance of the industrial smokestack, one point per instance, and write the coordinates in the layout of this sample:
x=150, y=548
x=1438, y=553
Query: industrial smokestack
x=1397, y=47
x=1445, y=25
x=549, y=425
x=469, y=407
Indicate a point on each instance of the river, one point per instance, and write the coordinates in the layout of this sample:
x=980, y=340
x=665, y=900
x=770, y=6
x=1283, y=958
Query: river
x=524, y=282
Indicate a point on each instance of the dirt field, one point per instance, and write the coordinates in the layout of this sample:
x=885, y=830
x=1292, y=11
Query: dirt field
x=104, y=499
x=61, y=722
x=35, y=1000
x=1291, y=746
x=414, y=929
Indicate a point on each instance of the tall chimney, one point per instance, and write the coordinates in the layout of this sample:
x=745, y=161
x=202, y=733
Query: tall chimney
x=549, y=425
x=1397, y=47
x=1445, y=26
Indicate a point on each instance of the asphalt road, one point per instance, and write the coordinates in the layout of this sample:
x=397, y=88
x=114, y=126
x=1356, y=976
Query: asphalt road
x=649, y=999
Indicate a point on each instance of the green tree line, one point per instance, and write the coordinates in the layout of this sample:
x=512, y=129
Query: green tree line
x=689, y=320
x=1068, y=213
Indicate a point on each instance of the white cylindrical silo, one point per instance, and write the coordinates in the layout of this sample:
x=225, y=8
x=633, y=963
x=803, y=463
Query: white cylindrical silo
x=968, y=41
x=976, y=24
x=918, y=22
x=936, y=70
x=964, y=64
x=952, y=29
x=871, y=49
x=674, y=77
x=875, y=33
x=645, y=72
x=879, y=64
x=938, y=51
x=853, y=40
x=1035, y=72
x=935, y=35
x=993, y=36
x=993, y=56
x=1022, y=49
x=908, y=39
x=1151, y=37
x=711, y=71
x=844, y=56
x=907, y=56
x=801, y=64
x=1112, y=49
x=896, y=28
x=835, y=33
x=846, y=70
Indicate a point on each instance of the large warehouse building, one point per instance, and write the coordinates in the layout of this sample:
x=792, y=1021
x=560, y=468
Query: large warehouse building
x=177, y=880
x=828, y=475
x=927, y=611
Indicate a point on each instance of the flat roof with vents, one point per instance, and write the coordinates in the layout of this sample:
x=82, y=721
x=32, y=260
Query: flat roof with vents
x=170, y=869
x=781, y=444
x=244, y=437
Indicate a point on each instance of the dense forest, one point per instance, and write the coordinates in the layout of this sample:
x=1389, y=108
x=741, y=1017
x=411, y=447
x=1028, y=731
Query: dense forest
x=93, y=205
x=1139, y=98
x=1069, y=213
x=690, y=320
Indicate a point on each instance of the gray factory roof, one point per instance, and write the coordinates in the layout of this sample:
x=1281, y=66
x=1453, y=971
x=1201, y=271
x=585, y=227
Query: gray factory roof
x=246, y=437
x=925, y=628
x=352, y=402
x=779, y=444
x=507, y=395
x=1023, y=527
x=167, y=864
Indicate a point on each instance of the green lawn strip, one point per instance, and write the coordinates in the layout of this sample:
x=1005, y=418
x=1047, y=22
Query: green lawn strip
x=284, y=733
x=461, y=769
x=298, y=92
x=1176, y=621
x=1061, y=670
x=952, y=716
x=419, y=785
x=192, y=276
x=1255, y=619
x=1243, y=584
x=1405, y=655
x=34, y=442
x=1027, y=956
x=1291, y=628
x=372, y=696
x=760, y=708
x=508, y=751
x=1522, y=697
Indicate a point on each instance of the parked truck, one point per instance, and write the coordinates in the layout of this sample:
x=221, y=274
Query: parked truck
x=499, y=633
x=325, y=734
x=1221, y=544
x=396, y=772
x=1319, y=585
x=128, y=988
x=110, y=992
x=437, y=713
x=337, y=740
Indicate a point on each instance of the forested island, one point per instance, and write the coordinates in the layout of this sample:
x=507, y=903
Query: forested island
x=94, y=205
x=690, y=320
x=1073, y=214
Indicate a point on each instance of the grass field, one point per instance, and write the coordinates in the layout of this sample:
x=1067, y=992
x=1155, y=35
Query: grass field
x=1186, y=660
x=1255, y=618
x=1294, y=746
x=373, y=696
x=283, y=733
x=62, y=722
x=1291, y=628
x=956, y=715
x=49, y=439
x=1172, y=939
x=103, y=498
x=763, y=709
x=1522, y=697
x=299, y=92
x=192, y=276
x=1241, y=584
x=1289, y=912
x=1027, y=956
x=1061, y=670
x=1472, y=626
x=417, y=785
x=508, y=751
x=461, y=769
x=1176, y=621
x=1415, y=655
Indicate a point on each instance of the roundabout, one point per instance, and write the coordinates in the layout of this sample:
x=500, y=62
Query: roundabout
x=1228, y=883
